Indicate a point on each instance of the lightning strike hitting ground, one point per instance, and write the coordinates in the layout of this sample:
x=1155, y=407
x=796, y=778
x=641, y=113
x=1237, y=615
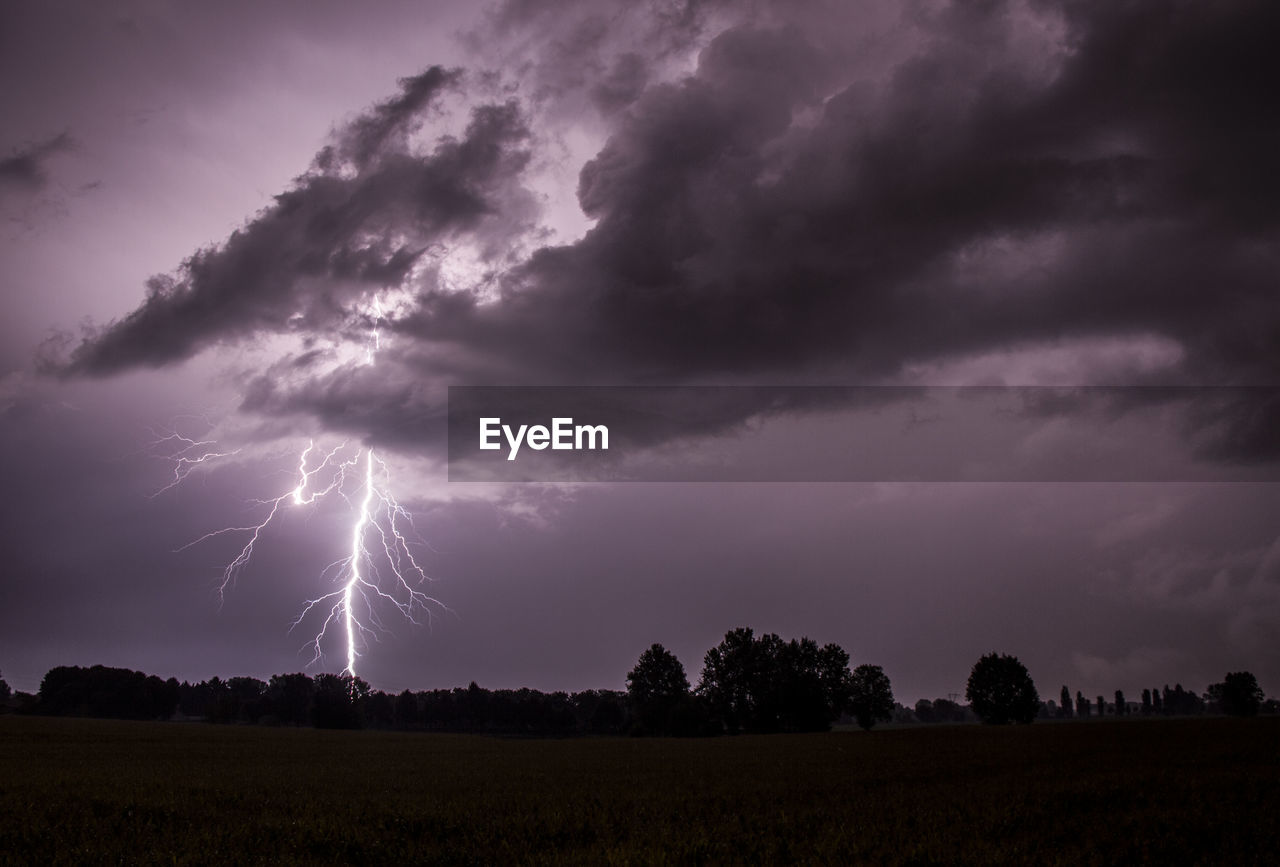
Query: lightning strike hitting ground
x=379, y=569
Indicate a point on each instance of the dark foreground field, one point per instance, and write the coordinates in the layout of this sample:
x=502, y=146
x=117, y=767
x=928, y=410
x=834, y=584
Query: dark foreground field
x=1177, y=791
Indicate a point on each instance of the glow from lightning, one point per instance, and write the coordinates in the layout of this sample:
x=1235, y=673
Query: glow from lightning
x=379, y=570
x=375, y=338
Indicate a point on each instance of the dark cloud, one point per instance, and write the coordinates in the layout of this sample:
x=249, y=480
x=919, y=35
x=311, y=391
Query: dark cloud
x=1239, y=426
x=387, y=127
x=1019, y=175
x=966, y=206
x=572, y=56
x=1233, y=425
x=622, y=84
x=358, y=221
x=27, y=169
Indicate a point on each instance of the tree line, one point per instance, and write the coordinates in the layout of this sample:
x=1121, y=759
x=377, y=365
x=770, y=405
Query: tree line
x=1001, y=690
x=1231, y=696
x=748, y=684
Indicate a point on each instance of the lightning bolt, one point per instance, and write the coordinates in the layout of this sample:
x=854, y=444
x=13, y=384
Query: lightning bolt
x=379, y=570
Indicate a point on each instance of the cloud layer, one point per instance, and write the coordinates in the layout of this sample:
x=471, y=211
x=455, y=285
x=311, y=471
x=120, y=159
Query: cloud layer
x=795, y=204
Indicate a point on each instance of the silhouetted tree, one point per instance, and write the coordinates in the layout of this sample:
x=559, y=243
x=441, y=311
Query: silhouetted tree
x=1146, y=702
x=836, y=680
x=656, y=686
x=1156, y=705
x=609, y=715
x=946, y=710
x=729, y=674
x=1186, y=702
x=440, y=709
x=406, y=711
x=474, y=705
x=243, y=700
x=805, y=687
x=1122, y=708
x=213, y=691
x=119, y=693
x=871, y=696
x=338, y=701
x=1102, y=707
x=379, y=710
x=1001, y=691
x=290, y=698
x=901, y=714
x=5, y=692
x=600, y=712
x=1066, y=702
x=1082, y=705
x=766, y=684
x=774, y=692
x=525, y=712
x=1238, y=694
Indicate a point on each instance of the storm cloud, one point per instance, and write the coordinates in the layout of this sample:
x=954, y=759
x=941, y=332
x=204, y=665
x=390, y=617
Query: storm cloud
x=763, y=216
x=962, y=205
x=357, y=221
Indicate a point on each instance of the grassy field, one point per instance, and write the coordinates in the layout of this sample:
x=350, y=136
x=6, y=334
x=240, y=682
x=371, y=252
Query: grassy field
x=1174, y=791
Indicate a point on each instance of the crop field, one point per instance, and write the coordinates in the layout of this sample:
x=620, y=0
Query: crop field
x=1180, y=791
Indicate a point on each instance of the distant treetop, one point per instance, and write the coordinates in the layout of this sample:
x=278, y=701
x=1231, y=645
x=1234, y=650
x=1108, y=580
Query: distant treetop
x=1001, y=691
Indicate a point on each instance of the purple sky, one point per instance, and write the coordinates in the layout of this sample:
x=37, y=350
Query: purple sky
x=206, y=209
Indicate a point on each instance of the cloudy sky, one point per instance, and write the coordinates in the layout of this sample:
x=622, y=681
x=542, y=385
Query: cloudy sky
x=257, y=226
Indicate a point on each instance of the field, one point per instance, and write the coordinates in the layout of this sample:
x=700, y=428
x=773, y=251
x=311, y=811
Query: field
x=1178, y=791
